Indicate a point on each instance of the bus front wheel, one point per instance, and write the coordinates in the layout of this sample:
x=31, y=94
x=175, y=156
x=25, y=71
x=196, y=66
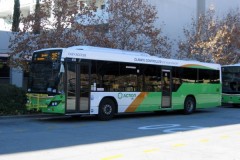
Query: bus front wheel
x=189, y=105
x=106, y=110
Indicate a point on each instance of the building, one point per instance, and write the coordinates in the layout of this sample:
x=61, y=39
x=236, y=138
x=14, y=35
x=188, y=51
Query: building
x=173, y=15
x=13, y=75
x=176, y=14
x=4, y=70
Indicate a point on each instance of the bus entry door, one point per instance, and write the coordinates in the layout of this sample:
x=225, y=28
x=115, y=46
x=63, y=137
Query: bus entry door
x=78, y=89
x=166, y=89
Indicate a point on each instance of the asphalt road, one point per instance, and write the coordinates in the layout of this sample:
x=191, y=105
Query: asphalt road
x=207, y=134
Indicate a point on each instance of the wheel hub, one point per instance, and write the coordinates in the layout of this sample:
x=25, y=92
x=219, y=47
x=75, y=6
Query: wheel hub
x=107, y=109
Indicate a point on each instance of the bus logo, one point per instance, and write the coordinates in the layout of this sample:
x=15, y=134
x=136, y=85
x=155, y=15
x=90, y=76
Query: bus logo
x=126, y=95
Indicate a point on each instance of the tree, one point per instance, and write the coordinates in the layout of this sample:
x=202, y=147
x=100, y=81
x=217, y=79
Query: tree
x=67, y=23
x=211, y=39
x=37, y=23
x=53, y=24
x=131, y=27
x=230, y=28
x=16, y=16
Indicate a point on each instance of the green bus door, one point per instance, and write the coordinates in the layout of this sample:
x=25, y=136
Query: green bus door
x=166, y=89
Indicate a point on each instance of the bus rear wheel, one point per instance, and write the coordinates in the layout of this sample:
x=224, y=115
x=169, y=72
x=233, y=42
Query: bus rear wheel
x=106, y=110
x=189, y=105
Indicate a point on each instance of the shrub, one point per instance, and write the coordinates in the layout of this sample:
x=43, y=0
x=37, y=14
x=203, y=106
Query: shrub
x=12, y=100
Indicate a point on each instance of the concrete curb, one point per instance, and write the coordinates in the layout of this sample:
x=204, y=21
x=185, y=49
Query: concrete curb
x=22, y=116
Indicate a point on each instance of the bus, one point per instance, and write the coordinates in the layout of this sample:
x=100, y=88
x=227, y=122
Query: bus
x=231, y=84
x=86, y=80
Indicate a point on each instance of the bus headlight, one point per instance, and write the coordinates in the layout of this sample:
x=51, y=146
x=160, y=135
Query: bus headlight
x=54, y=103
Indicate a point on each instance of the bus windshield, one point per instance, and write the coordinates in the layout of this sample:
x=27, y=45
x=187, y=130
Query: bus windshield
x=231, y=79
x=45, y=72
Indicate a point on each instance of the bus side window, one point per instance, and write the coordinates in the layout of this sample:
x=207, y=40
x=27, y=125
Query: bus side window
x=152, y=78
x=233, y=86
x=176, y=76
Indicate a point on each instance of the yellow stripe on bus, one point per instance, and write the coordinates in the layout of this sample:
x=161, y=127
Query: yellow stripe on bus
x=134, y=105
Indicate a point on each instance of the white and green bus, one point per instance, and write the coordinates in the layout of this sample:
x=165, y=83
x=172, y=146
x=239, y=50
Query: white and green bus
x=231, y=84
x=100, y=81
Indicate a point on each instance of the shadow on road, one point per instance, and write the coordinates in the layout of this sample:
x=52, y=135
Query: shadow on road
x=50, y=132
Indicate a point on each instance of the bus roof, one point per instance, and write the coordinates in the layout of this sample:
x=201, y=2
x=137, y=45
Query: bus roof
x=232, y=65
x=107, y=54
x=108, y=50
x=47, y=49
x=117, y=55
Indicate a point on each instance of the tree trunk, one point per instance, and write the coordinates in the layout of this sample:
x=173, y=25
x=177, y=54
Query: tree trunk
x=16, y=16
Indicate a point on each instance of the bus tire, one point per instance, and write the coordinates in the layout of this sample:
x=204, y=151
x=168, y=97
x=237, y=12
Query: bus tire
x=235, y=105
x=106, y=109
x=189, y=105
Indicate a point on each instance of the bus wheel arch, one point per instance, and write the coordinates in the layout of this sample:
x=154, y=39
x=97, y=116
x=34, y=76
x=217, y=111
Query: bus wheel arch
x=107, y=108
x=189, y=104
